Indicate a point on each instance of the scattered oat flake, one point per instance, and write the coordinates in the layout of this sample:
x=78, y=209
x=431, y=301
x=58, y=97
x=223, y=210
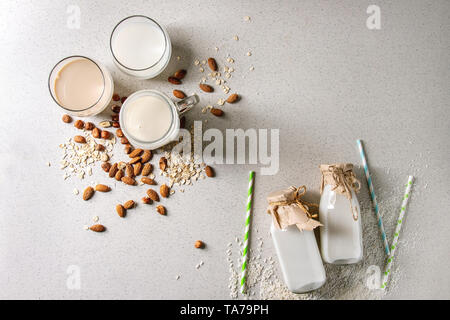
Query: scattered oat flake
x=178, y=58
x=249, y=53
x=216, y=48
x=177, y=277
x=75, y=191
x=86, y=227
x=201, y=69
x=48, y=164
x=247, y=18
x=95, y=218
x=196, y=62
x=252, y=68
x=236, y=38
x=230, y=60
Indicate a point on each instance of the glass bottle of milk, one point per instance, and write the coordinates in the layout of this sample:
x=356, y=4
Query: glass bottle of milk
x=295, y=242
x=339, y=213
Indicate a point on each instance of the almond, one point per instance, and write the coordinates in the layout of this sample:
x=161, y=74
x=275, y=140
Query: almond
x=116, y=97
x=174, y=80
x=182, y=122
x=148, y=168
x=119, y=175
x=209, y=171
x=233, y=98
x=146, y=156
x=66, y=118
x=89, y=126
x=96, y=133
x=102, y=188
x=105, y=134
x=116, y=124
x=123, y=99
x=105, y=124
x=147, y=200
x=79, y=139
x=179, y=94
x=134, y=160
x=124, y=140
x=115, y=108
x=88, y=193
x=128, y=180
x=152, y=195
x=148, y=181
x=135, y=153
x=79, y=124
x=199, y=244
x=129, y=172
x=121, y=210
x=212, y=64
x=205, y=87
x=217, y=112
x=106, y=166
x=100, y=147
x=180, y=74
x=113, y=170
x=137, y=169
x=127, y=149
x=115, y=117
x=161, y=210
x=119, y=133
x=164, y=191
x=129, y=204
x=163, y=163
x=97, y=228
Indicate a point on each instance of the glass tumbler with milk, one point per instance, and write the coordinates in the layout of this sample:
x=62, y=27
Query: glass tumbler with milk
x=140, y=47
x=339, y=213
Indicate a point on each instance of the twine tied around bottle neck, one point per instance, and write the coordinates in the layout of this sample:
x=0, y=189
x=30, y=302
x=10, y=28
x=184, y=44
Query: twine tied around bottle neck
x=304, y=205
x=343, y=180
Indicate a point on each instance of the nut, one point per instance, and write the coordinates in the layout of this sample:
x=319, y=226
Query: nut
x=115, y=117
x=182, y=122
x=164, y=191
x=146, y=200
x=137, y=168
x=127, y=149
x=113, y=170
x=121, y=210
x=119, y=175
x=116, y=97
x=105, y=124
x=106, y=166
x=100, y=147
x=66, y=118
x=146, y=156
x=124, y=140
x=123, y=99
x=209, y=171
x=115, y=108
x=233, y=98
x=163, y=163
x=102, y=188
x=129, y=171
x=152, y=195
x=135, y=153
x=116, y=124
x=97, y=228
x=148, y=168
x=88, y=193
x=128, y=180
x=217, y=112
x=96, y=133
x=161, y=210
x=134, y=160
x=119, y=133
x=174, y=80
x=129, y=204
x=89, y=126
x=79, y=124
x=79, y=139
x=205, y=87
x=199, y=244
x=212, y=64
x=105, y=134
x=180, y=74
x=179, y=94
x=148, y=181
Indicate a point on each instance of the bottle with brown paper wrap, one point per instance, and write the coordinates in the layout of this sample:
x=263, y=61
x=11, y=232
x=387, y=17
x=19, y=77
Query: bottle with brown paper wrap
x=339, y=213
x=293, y=237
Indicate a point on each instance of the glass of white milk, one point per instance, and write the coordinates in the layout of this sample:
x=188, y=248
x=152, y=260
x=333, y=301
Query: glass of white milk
x=150, y=119
x=140, y=47
x=81, y=86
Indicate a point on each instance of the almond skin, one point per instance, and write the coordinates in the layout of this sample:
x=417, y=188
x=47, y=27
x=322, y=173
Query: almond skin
x=209, y=171
x=79, y=124
x=128, y=180
x=100, y=147
x=180, y=74
x=115, y=117
x=134, y=160
x=137, y=169
x=233, y=98
x=116, y=124
x=148, y=168
x=96, y=133
x=113, y=170
x=205, y=87
x=129, y=204
x=199, y=244
x=89, y=126
x=97, y=228
x=174, y=80
x=88, y=193
x=152, y=195
x=115, y=109
x=148, y=181
x=212, y=64
x=163, y=163
x=124, y=140
x=164, y=191
x=121, y=210
x=102, y=188
x=66, y=118
x=119, y=133
x=106, y=166
x=129, y=172
x=146, y=156
x=136, y=153
x=115, y=97
x=127, y=149
x=161, y=210
x=105, y=134
x=146, y=200
x=217, y=112
x=119, y=175
x=179, y=94
x=79, y=139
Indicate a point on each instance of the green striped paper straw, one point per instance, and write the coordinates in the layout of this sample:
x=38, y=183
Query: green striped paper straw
x=373, y=196
x=251, y=177
x=387, y=270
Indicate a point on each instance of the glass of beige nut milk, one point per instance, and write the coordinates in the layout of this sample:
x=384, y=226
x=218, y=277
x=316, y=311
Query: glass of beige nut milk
x=150, y=119
x=81, y=86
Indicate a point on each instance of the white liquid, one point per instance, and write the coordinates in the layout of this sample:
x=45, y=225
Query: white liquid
x=147, y=118
x=341, y=235
x=138, y=44
x=299, y=259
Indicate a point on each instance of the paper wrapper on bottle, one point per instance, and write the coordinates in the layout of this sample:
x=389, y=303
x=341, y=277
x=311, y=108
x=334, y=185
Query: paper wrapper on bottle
x=287, y=208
